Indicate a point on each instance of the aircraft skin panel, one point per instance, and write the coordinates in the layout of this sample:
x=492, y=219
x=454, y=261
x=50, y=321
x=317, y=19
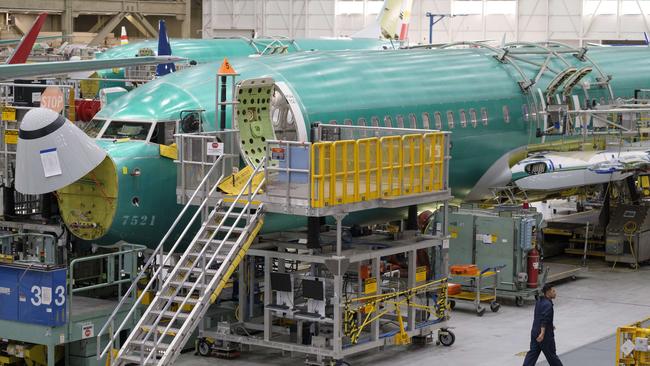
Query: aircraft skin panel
x=213, y=50
x=625, y=67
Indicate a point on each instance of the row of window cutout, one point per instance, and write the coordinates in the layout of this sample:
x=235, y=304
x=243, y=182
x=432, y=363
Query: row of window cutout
x=426, y=120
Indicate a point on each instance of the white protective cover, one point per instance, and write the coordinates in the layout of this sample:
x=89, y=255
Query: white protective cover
x=51, y=162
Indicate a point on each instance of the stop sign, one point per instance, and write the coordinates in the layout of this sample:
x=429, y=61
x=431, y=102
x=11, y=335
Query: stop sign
x=52, y=98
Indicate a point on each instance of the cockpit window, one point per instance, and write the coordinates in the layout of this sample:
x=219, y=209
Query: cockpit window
x=93, y=127
x=126, y=129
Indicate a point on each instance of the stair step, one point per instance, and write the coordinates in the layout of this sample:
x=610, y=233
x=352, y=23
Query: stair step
x=219, y=258
x=225, y=229
x=223, y=212
x=160, y=329
x=149, y=345
x=136, y=359
x=241, y=203
x=226, y=244
x=170, y=314
x=188, y=285
x=197, y=269
x=180, y=299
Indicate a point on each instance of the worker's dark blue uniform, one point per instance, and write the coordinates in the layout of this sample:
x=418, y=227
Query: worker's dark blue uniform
x=543, y=318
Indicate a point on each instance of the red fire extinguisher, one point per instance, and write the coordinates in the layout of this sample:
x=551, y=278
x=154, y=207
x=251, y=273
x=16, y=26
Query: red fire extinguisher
x=533, y=267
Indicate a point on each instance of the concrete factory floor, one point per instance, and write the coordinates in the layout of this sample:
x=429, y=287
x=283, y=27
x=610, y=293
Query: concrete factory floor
x=587, y=313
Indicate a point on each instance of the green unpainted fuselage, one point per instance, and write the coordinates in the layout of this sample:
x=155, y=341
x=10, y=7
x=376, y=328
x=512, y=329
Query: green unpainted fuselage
x=212, y=50
x=404, y=85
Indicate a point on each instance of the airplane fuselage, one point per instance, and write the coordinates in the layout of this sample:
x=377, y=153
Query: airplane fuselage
x=466, y=92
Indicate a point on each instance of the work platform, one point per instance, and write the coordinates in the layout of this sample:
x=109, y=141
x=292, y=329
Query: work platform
x=362, y=306
x=335, y=291
x=371, y=167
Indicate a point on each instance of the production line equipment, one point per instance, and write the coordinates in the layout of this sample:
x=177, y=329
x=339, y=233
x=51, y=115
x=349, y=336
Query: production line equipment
x=308, y=303
x=325, y=294
x=503, y=239
x=632, y=344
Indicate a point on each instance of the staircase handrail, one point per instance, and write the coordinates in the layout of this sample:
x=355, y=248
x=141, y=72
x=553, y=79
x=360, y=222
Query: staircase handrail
x=207, y=265
x=149, y=263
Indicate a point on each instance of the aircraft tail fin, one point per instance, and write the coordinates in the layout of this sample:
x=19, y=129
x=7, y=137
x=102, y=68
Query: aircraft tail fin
x=164, y=49
x=21, y=53
x=392, y=22
x=124, y=39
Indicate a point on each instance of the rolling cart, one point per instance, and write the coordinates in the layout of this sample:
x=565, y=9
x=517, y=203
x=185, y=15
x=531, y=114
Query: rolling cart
x=477, y=289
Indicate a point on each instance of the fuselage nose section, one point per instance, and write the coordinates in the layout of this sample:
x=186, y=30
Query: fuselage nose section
x=130, y=197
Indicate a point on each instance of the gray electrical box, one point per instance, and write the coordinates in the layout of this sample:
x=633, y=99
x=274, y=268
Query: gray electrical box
x=492, y=238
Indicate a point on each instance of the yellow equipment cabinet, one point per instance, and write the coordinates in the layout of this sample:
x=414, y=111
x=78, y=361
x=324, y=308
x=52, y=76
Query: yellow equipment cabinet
x=632, y=344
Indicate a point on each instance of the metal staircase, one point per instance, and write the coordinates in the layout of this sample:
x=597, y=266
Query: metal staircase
x=195, y=281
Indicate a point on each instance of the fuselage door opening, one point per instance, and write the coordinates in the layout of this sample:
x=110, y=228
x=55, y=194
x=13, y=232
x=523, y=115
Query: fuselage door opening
x=266, y=110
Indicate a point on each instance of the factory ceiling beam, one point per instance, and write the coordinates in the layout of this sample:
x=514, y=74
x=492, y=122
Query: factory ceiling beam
x=592, y=17
x=149, y=7
x=22, y=24
x=101, y=21
x=142, y=25
x=99, y=38
x=186, y=24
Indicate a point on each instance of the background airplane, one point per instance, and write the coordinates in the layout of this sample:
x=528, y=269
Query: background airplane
x=13, y=71
x=556, y=171
x=21, y=53
x=15, y=66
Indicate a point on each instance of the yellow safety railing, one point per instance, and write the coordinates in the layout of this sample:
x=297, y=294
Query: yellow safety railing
x=350, y=171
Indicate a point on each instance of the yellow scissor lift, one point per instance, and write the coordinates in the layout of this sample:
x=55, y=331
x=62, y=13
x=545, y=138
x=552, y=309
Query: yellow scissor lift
x=346, y=174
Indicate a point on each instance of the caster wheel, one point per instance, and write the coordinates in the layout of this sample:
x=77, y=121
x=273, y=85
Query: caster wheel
x=452, y=304
x=495, y=306
x=204, y=348
x=519, y=301
x=480, y=312
x=446, y=338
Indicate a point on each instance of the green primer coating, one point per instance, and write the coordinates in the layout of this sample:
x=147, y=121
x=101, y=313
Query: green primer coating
x=353, y=85
x=209, y=50
x=141, y=223
x=254, y=118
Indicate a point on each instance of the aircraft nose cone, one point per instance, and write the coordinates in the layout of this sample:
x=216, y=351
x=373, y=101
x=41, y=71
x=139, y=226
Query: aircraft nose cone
x=52, y=152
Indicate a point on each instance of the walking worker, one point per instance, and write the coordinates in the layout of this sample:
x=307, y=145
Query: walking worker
x=542, y=336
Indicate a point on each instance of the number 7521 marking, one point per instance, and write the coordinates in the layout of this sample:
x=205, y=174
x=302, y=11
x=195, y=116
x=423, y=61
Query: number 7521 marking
x=136, y=220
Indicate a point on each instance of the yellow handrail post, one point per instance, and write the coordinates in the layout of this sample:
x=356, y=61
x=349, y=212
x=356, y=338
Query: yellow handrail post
x=422, y=163
x=312, y=178
x=356, y=171
x=332, y=175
